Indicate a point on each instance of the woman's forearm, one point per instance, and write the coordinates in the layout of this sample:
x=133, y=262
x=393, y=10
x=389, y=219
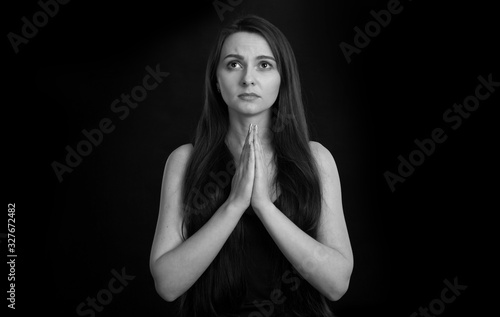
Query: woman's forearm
x=322, y=266
x=178, y=269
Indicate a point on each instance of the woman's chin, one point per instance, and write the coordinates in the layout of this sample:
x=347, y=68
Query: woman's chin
x=249, y=108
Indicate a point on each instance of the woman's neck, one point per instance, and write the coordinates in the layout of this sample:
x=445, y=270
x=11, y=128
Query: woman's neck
x=238, y=130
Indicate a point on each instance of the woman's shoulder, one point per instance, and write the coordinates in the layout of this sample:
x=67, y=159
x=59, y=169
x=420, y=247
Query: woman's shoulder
x=182, y=151
x=179, y=157
x=318, y=150
x=321, y=154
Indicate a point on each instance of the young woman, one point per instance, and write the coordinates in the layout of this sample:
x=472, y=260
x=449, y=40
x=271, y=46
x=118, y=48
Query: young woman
x=251, y=220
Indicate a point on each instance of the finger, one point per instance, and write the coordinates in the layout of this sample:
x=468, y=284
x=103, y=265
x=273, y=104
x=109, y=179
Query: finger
x=257, y=139
x=246, y=150
x=253, y=133
x=260, y=165
x=247, y=139
x=257, y=148
x=250, y=139
x=246, y=146
x=258, y=145
x=252, y=146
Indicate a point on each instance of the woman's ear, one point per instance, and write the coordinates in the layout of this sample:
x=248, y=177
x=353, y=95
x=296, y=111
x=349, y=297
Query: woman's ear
x=218, y=86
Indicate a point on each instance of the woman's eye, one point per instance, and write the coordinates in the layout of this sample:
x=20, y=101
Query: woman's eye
x=233, y=65
x=266, y=65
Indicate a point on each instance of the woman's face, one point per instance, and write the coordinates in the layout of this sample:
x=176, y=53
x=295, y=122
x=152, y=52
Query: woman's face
x=247, y=75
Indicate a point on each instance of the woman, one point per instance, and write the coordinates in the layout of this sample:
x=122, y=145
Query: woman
x=251, y=220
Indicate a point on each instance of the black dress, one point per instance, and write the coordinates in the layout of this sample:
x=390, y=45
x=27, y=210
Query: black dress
x=263, y=297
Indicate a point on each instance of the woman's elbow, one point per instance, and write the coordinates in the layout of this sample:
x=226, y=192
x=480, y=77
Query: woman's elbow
x=162, y=286
x=166, y=293
x=341, y=286
x=337, y=292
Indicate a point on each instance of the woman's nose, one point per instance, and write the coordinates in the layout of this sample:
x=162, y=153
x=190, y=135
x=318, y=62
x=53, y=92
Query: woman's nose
x=248, y=78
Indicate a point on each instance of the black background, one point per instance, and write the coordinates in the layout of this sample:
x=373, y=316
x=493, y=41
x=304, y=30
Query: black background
x=437, y=225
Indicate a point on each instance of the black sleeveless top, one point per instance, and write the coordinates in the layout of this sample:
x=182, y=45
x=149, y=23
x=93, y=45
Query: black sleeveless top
x=259, y=251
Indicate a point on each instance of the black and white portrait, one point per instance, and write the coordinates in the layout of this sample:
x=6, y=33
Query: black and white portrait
x=249, y=158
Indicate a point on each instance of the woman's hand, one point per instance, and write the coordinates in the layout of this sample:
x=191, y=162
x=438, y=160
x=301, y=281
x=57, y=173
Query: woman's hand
x=243, y=179
x=261, y=188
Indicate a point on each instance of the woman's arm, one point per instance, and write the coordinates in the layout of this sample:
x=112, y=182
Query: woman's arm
x=175, y=264
x=176, y=270
x=327, y=262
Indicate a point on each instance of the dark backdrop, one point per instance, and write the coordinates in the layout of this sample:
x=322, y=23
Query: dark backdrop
x=437, y=225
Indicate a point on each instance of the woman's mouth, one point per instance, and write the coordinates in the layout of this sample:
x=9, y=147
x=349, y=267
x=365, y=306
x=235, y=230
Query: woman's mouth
x=248, y=96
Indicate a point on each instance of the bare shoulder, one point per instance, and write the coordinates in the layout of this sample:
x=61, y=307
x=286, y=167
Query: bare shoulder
x=322, y=155
x=179, y=157
x=182, y=152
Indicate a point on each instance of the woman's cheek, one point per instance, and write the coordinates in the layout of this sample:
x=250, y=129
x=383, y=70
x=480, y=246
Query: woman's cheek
x=275, y=87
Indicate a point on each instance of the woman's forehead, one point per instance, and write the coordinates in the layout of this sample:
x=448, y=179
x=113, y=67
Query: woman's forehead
x=246, y=44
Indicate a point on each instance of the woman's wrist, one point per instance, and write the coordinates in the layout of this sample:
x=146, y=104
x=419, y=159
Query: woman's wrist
x=233, y=208
x=261, y=207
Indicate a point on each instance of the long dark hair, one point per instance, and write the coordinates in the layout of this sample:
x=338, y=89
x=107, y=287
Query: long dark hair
x=221, y=288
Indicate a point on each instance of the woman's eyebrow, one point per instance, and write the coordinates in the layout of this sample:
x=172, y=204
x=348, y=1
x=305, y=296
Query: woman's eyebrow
x=265, y=57
x=237, y=56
